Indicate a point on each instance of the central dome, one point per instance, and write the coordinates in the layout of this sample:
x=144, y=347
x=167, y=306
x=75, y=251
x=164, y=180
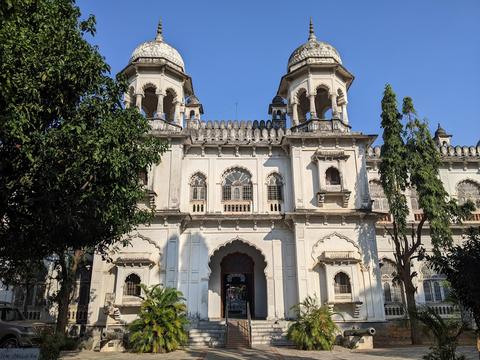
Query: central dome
x=313, y=52
x=149, y=51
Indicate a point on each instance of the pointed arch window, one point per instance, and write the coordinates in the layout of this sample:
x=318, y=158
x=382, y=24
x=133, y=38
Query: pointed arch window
x=274, y=188
x=342, y=284
x=434, y=288
x=392, y=290
x=380, y=202
x=469, y=190
x=132, y=285
x=237, y=191
x=332, y=176
x=198, y=193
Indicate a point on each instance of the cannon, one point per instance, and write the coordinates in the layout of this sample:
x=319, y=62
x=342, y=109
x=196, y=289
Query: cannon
x=360, y=332
x=359, y=338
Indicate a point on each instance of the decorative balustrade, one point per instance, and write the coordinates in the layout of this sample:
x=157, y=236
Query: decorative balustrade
x=237, y=207
x=322, y=125
x=385, y=218
x=474, y=217
x=198, y=206
x=395, y=310
x=275, y=206
x=445, y=151
x=445, y=309
x=340, y=255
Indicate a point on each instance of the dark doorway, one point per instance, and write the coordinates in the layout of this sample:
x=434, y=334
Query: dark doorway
x=237, y=285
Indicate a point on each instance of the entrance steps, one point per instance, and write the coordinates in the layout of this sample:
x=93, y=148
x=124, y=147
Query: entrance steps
x=238, y=334
x=211, y=333
x=270, y=332
x=206, y=333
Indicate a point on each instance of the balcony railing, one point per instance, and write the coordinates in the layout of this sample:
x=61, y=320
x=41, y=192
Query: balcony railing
x=396, y=310
x=199, y=206
x=275, y=206
x=237, y=207
x=475, y=217
x=385, y=218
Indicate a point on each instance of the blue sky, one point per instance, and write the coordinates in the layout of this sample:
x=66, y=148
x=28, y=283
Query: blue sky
x=237, y=51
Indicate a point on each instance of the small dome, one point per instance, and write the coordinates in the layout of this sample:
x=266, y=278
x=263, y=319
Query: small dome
x=313, y=52
x=278, y=100
x=440, y=131
x=157, y=49
x=193, y=100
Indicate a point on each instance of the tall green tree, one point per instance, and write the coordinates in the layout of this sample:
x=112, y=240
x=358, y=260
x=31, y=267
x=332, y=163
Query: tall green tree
x=410, y=160
x=460, y=264
x=70, y=153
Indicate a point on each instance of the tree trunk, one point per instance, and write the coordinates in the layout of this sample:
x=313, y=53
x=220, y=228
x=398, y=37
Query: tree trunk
x=67, y=279
x=63, y=296
x=415, y=331
x=28, y=291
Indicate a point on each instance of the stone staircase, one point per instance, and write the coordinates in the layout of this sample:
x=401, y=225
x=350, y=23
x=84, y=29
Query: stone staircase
x=270, y=332
x=238, y=334
x=206, y=333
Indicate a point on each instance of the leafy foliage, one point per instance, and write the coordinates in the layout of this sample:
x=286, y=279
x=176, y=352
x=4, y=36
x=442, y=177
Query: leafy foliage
x=445, y=332
x=314, y=328
x=460, y=265
x=70, y=153
x=161, y=323
x=410, y=160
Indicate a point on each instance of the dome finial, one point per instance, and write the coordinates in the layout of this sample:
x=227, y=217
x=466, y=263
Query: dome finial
x=311, y=34
x=159, y=36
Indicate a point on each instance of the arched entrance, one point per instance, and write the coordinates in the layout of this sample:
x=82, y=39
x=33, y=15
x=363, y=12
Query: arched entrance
x=237, y=285
x=237, y=277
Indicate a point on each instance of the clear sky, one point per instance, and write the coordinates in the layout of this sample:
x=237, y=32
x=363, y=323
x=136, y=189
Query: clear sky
x=237, y=51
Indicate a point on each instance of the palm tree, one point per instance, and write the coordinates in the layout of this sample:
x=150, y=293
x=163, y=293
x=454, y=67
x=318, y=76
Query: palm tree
x=161, y=323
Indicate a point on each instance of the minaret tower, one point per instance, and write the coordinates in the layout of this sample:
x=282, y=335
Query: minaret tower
x=316, y=83
x=158, y=83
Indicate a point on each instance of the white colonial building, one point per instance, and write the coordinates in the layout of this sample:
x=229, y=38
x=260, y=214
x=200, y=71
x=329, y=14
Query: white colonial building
x=266, y=213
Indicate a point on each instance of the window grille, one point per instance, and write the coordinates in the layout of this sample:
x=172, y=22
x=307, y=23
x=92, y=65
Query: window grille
x=198, y=187
x=380, y=202
x=132, y=285
x=342, y=284
x=274, y=188
x=332, y=176
x=237, y=186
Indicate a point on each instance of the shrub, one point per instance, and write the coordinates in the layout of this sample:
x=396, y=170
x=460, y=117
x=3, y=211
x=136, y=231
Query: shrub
x=314, y=328
x=445, y=333
x=161, y=323
x=53, y=343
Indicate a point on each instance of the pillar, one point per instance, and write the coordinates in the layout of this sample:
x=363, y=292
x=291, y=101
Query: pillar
x=160, y=113
x=138, y=101
x=333, y=99
x=344, y=114
x=295, y=114
x=313, y=114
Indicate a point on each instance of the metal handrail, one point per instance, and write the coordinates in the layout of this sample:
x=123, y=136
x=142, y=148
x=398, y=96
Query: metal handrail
x=249, y=318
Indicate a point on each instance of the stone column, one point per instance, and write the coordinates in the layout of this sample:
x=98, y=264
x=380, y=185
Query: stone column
x=160, y=113
x=333, y=99
x=295, y=114
x=344, y=114
x=138, y=101
x=313, y=113
x=176, y=116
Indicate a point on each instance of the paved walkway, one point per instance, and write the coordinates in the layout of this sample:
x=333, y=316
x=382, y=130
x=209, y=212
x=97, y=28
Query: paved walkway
x=267, y=353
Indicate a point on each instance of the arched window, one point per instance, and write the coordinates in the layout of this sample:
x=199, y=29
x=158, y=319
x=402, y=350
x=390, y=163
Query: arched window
x=414, y=199
x=332, y=176
x=237, y=185
x=274, y=188
x=380, y=202
x=192, y=114
x=433, y=285
x=149, y=101
x=392, y=290
x=132, y=285
x=469, y=190
x=342, y=284
x=169, y=105
x=303, y=106
x=322, y=103
x=198, y=187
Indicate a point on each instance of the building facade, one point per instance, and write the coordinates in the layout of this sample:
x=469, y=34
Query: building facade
x=266, y=213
